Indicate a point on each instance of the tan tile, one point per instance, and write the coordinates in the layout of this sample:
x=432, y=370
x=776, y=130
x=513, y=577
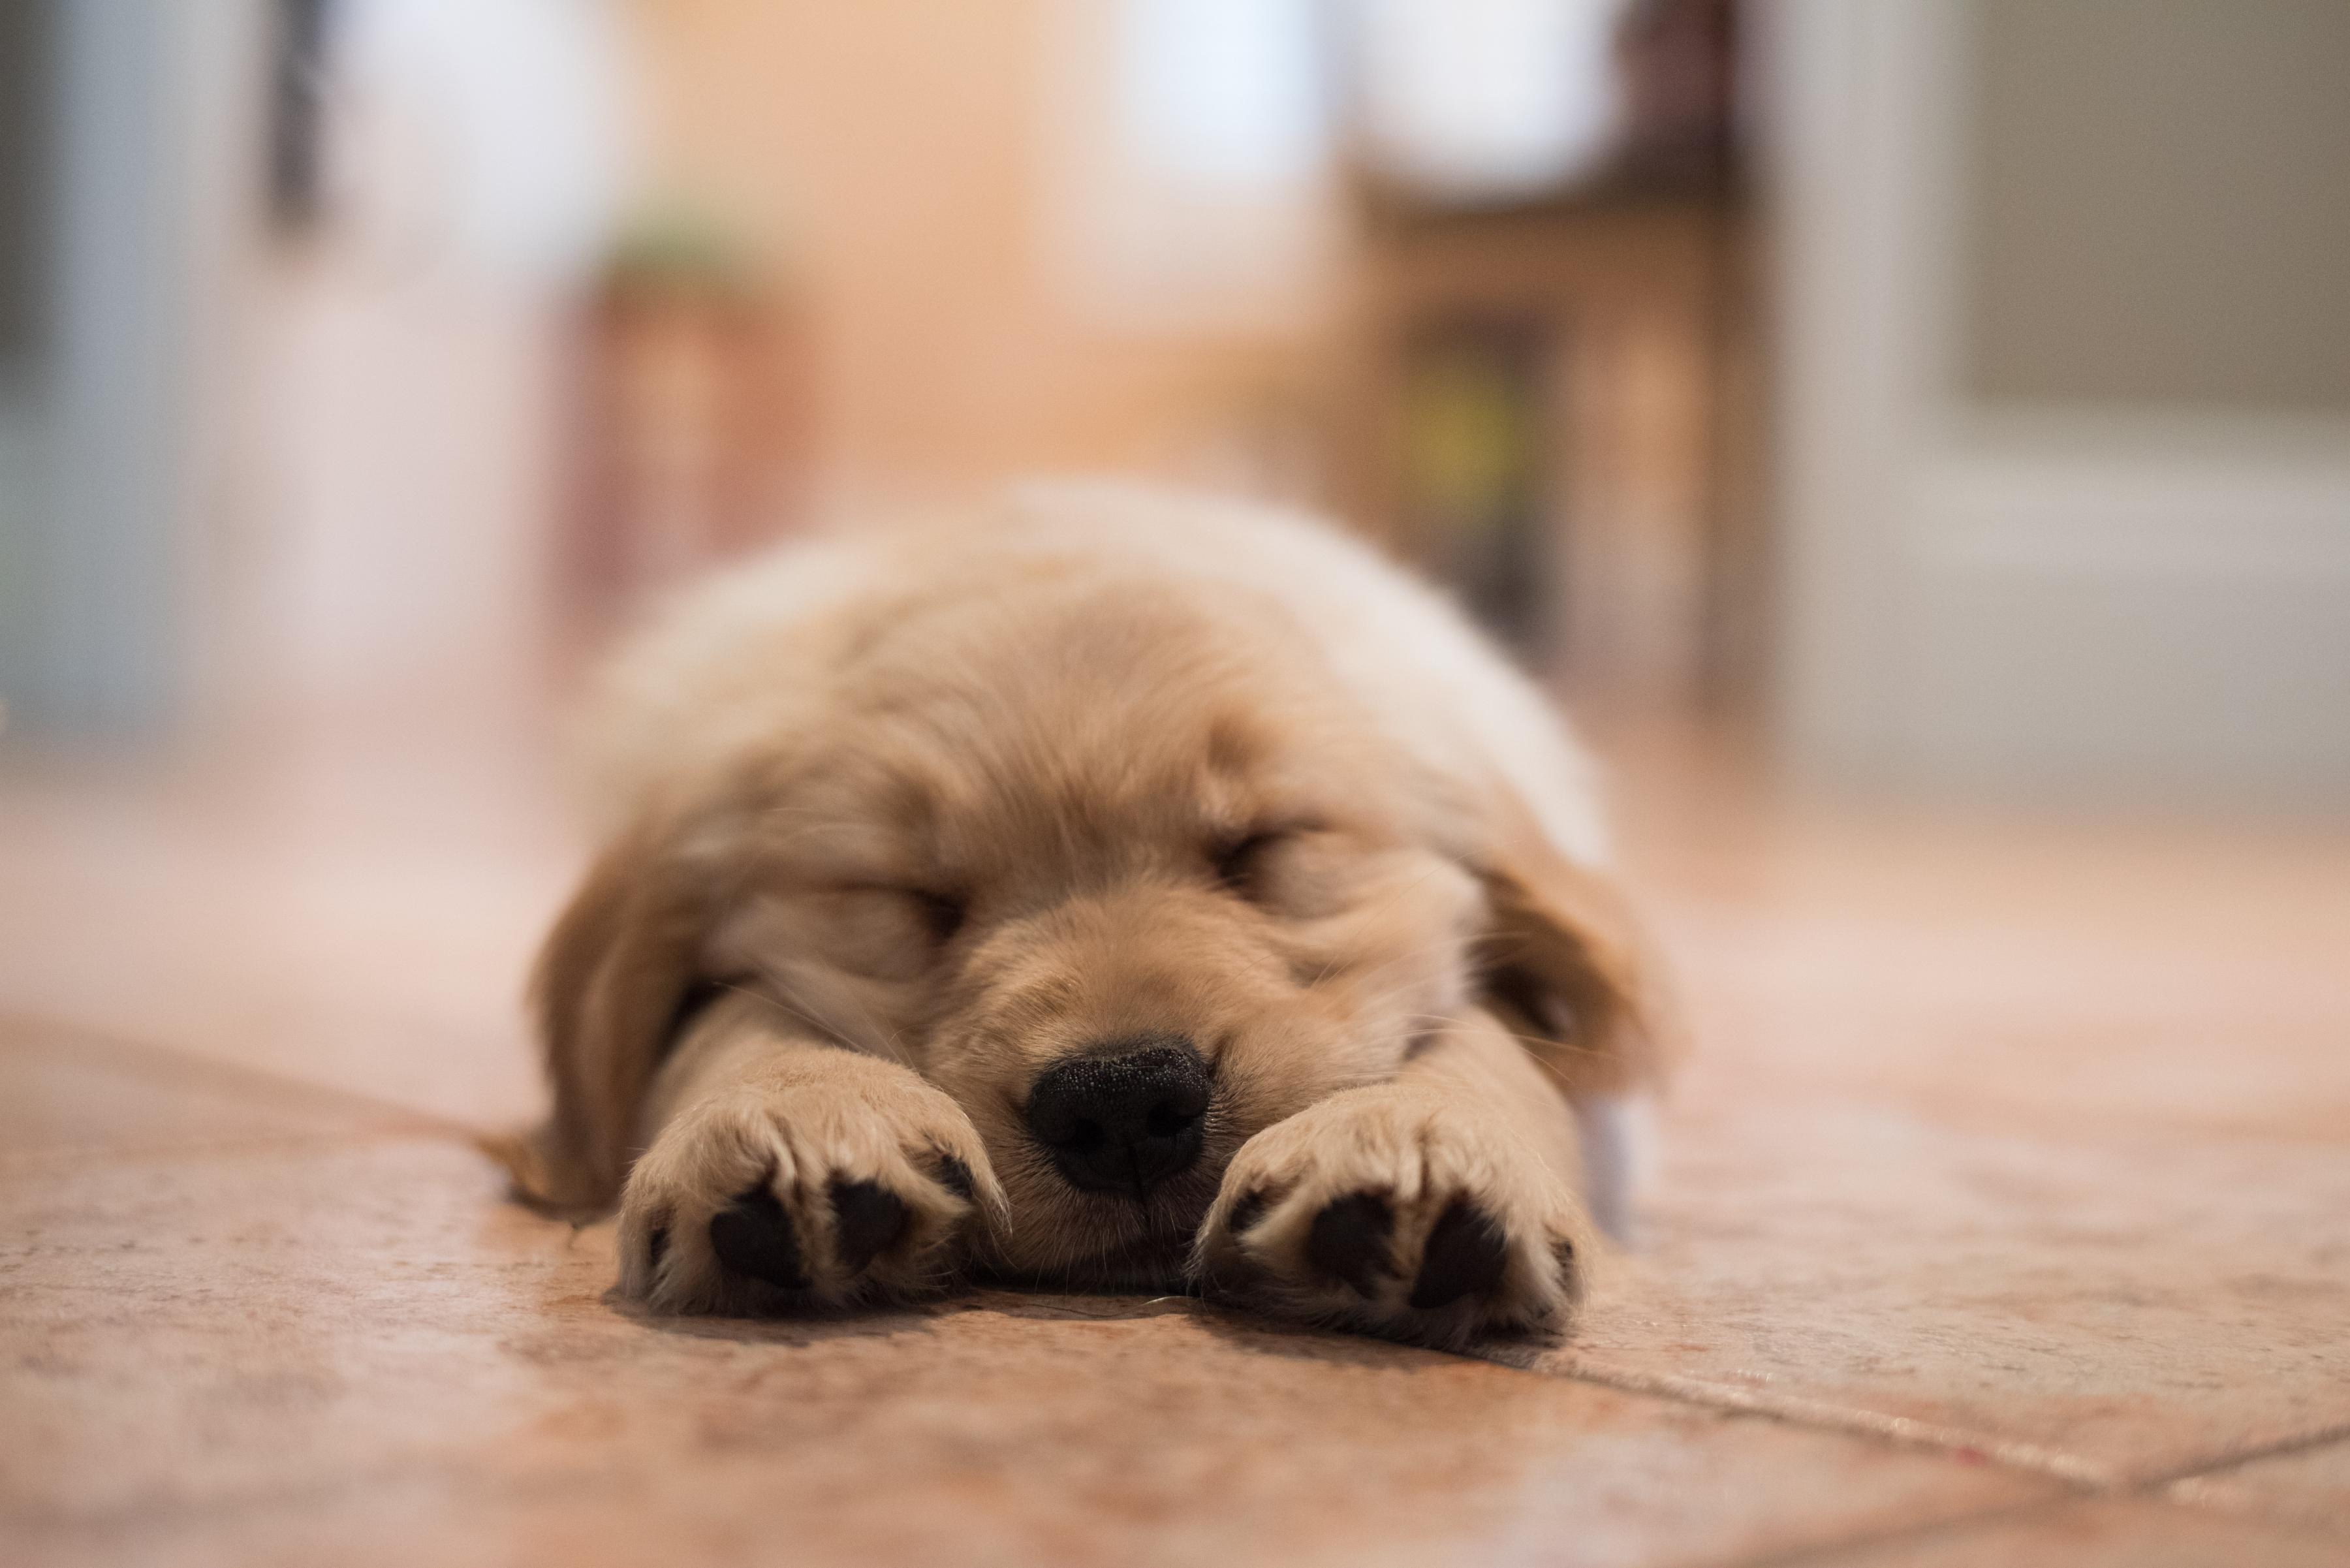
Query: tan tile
x=2006, y=970
x=373, y=945
x=2309, y=1486
x=2108, y=1308
x=1974, y=1017
x=359, y=1354
x=2022, y=1138
x=66, y=1093
x=2105, y=1533
x=2010, y=1143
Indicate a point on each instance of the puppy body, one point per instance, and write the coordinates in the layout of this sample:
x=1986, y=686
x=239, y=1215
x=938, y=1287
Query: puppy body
x=1115, y=888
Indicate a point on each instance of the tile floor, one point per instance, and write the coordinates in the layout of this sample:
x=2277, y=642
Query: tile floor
x=2005, y=1218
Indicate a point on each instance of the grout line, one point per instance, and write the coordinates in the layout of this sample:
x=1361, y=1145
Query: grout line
x=2163, y=1490
x=2212, y=1469
x=2314, y=1519
x=1863, y=1540
x=2206, y=1486
x=228, y=1075
x=2082, y=1475
x=2175, y=1487
x=2167, y=1496
x=78, y=1157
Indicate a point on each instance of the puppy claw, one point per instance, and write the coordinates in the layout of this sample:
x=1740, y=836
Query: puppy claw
x=951, y=1173
x=1248, y=1210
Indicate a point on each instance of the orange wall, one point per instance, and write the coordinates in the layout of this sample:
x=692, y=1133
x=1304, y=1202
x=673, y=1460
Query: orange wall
x=897, y=156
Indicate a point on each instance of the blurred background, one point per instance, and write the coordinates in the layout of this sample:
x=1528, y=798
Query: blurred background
x=1915, y=434
x=1935, y=398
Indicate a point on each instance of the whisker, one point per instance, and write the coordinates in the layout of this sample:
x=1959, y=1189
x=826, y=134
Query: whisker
x=1532, y=1042
x=890, y=1045
x=1389, y=903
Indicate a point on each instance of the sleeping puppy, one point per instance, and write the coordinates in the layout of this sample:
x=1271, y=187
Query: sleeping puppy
x=1122, y=891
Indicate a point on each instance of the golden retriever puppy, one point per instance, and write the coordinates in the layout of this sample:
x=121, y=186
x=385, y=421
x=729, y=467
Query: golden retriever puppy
x=1124, y=890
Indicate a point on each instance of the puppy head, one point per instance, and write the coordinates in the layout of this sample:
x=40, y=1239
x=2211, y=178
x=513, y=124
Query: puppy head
x=1130, y=879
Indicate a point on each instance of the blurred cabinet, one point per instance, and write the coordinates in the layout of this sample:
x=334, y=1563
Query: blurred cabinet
x=691, y=441
x=1551, y=407
x=1554, y=400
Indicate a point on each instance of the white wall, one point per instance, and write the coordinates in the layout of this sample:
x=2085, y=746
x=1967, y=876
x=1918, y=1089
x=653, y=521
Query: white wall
x=101, y=431
x=2119, y=589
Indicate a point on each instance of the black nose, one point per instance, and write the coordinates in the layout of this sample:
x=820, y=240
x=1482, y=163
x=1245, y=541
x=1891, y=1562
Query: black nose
x=1123, y=1116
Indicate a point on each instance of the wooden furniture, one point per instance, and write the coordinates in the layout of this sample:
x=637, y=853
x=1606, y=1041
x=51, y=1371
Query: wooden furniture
x=1553, y=402
x=693, y=437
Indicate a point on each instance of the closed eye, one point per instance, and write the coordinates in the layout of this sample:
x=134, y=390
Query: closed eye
x=1239, y=863
x=939, y=914
x=942, y=913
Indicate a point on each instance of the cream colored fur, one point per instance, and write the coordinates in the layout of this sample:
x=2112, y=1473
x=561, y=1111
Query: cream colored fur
x=937, y=804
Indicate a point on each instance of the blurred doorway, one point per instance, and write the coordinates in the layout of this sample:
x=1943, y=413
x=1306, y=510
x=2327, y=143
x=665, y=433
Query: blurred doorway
x=114, y=123
x=2065, y=338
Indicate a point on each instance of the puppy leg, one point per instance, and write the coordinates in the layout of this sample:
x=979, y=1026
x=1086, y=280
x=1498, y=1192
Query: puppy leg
x=1438, y=1207
x=786, y=1173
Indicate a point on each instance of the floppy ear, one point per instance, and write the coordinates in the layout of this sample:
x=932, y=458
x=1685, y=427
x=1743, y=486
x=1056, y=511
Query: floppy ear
x=1568, y=957
x=615, y=973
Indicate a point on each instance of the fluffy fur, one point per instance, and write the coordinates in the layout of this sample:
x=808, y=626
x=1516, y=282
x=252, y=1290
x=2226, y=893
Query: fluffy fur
x=929, y=809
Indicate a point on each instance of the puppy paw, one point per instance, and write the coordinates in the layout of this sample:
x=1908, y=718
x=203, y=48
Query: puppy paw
x=847, y=1184
x=1399, y=1213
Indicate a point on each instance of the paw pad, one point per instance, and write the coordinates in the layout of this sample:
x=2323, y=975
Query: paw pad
x=1464, y=1254
x=753, y=1236
x=1349, y=1241
x=866, y=1218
